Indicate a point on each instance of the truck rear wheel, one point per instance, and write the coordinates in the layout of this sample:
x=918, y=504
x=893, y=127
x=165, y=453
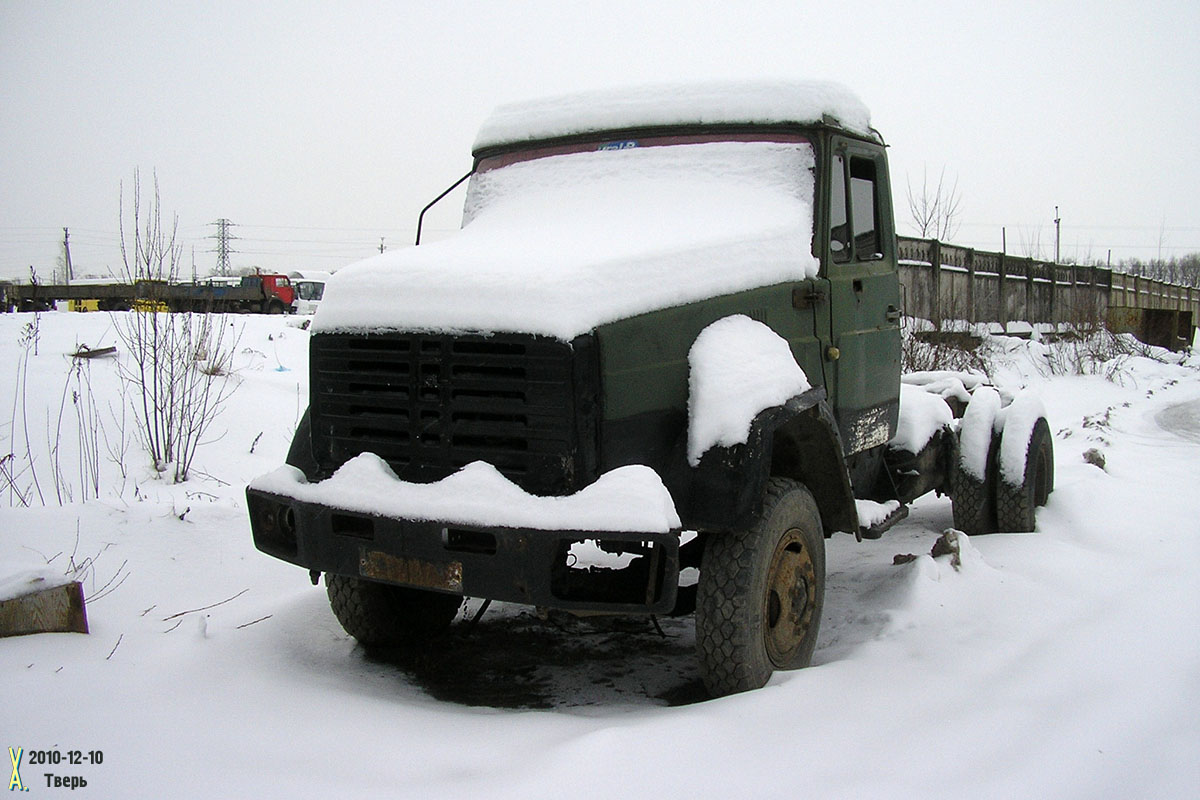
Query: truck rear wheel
x=761, y=590
x=379, y=615
x=973, y=501
x=1016, y=504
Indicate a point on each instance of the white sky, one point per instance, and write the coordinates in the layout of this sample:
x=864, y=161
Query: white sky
x=319, y=127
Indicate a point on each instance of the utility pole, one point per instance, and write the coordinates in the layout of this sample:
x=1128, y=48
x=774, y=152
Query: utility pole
x=67, y=255
x=1057, y=235
x=223, y=237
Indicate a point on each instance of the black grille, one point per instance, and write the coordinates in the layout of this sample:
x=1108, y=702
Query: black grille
x=429, y=405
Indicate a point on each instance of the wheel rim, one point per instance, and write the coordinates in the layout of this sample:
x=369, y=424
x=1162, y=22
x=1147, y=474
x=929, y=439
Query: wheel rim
x=789, y=599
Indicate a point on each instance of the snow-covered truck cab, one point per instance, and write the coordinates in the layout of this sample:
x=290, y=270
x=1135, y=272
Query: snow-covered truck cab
x=666, y=337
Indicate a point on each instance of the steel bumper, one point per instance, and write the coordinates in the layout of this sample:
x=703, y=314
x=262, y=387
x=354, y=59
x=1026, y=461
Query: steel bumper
x=515, y=565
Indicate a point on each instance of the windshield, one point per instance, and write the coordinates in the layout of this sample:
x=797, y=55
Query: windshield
x=310, y=290
x=705, y=175
x=642, y=196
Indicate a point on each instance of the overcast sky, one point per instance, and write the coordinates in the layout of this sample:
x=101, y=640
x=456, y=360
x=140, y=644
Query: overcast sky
x=318, y=128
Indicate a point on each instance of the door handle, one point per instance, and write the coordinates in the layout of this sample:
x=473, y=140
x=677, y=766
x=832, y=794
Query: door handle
x=893, y=314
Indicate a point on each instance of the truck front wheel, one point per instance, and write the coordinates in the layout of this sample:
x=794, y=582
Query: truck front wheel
x=761, y=590
x=379, y=615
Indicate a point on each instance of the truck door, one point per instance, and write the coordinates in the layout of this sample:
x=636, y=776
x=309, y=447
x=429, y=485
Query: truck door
x=863, y=362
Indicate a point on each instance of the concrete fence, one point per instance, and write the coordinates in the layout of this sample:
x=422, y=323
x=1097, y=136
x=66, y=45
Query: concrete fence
x=942, y=282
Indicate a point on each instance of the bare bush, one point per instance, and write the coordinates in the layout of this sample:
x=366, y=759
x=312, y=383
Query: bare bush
x=74, y=470
x=178, y=362
x=1096, y=352
x=931, y=351
x=117, y=445
x=18, y=467
x=88, y=431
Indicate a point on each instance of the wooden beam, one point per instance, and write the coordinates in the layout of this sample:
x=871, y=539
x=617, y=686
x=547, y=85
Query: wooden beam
x=57, y=609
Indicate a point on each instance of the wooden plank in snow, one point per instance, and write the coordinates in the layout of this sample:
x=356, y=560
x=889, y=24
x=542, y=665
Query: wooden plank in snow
x=57, y=609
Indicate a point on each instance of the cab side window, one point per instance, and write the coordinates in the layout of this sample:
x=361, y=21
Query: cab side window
x=839, y=228
x=863, y=209
x=853, y=225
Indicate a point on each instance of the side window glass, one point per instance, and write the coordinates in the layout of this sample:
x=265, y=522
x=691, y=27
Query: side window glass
x=839, y=230
x=863, y=209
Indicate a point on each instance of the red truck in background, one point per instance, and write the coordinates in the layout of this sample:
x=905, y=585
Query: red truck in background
x=264, y=293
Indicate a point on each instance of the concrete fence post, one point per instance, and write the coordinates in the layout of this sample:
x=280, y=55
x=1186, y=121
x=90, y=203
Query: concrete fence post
x=1002, y=311
x=971, y=315
x=935, y=262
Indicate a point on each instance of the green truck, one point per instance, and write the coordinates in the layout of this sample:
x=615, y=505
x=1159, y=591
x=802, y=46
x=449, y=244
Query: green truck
x=657, y=367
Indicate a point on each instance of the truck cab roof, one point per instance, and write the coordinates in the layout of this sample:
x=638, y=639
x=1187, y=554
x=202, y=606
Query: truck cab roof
x=722, y=103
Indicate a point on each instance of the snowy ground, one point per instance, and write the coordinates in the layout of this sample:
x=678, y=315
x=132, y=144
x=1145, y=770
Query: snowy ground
x=1064, y=663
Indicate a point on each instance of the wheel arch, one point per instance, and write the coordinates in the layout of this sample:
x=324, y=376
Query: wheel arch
x=300, y=453
x=797, y=440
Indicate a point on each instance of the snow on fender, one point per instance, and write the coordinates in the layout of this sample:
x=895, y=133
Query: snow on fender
x=975, y=432
x=738, y=367
x=922, y=414
x=1019, y=420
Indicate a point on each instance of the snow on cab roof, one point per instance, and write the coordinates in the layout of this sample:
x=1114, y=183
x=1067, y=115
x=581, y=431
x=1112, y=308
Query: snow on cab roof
x=713, y=103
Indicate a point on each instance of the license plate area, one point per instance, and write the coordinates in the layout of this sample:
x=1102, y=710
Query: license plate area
x=417, y=572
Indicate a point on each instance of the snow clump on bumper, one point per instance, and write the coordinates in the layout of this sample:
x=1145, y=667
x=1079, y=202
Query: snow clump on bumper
x=628, y=499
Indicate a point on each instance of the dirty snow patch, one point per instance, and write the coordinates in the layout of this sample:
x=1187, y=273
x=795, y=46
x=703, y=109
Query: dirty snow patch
x=738, y=368
x=630, y=498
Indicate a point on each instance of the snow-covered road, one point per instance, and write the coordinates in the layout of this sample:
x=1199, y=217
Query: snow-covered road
x=1182, y=419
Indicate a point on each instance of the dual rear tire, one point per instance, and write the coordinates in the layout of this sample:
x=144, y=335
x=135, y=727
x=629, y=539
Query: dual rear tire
x=1005, y=504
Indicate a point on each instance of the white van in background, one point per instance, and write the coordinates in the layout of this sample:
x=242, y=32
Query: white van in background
x=309, y=286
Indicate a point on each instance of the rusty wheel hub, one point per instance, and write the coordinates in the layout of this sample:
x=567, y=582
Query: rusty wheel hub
x=789, y=598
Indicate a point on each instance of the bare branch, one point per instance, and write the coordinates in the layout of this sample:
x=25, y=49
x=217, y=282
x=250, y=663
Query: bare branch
x=935, y=212
x=206, y=608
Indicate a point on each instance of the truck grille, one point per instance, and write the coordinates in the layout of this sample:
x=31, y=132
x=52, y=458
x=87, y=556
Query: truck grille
x=430, y=404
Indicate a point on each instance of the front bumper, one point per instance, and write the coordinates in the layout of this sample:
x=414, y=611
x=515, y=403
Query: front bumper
x=518, y=565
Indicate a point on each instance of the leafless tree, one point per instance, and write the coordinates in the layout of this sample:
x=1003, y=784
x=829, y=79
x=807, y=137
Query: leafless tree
x=1031, y=242
x=935, y=209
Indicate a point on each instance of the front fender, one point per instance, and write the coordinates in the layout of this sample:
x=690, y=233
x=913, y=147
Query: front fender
x=797, y=440
x=300, y=453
